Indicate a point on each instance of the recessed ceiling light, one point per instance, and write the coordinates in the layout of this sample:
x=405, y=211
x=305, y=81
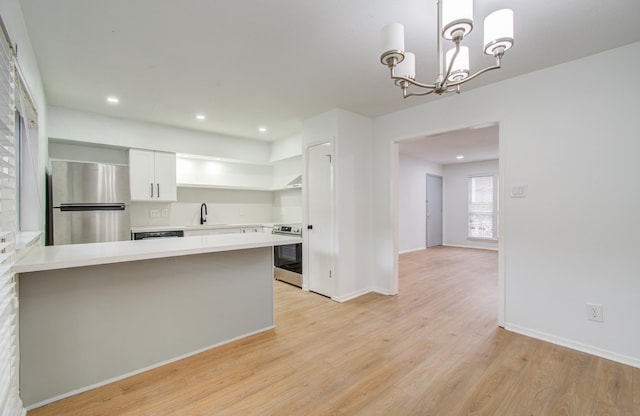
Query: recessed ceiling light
x=113, y=100
x=200, y=116
x=262, y=129
x=459, y=157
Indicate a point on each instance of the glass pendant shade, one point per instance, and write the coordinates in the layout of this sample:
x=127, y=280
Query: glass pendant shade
x=498, y=31
x=393, y=37
x=460, y=69
x=407, y=68
x=456, y=15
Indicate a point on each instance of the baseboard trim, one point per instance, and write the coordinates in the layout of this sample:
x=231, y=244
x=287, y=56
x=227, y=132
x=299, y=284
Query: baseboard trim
x=412, y=250
x=381, y=291
x=589, y=349
x=351, y=295
x=359, y=293
x=142, y=370
x=474, y=247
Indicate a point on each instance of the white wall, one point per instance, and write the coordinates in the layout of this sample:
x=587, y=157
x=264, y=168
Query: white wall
x=80, y=152
x=456, y=202
x=224, y=206
x=574, y=239
x=287, y=206
x=214, y=172
x=286, y=170
x=93, y=128
x=412, y=186
x=352, y=171
x=287, y=203
x=353, y=195
x=286, y=148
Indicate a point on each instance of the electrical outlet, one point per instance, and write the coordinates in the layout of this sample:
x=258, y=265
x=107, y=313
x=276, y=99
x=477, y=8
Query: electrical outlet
x=165, y=212
x=594, y=312
x=242, y=212
x=154, y=213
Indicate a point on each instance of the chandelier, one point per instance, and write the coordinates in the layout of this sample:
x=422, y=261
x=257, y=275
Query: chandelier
x=453, y=68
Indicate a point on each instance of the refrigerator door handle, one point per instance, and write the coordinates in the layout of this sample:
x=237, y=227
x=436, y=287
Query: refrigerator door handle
x=92, y=207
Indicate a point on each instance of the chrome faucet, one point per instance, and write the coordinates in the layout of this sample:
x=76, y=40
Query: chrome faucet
x=203, y=215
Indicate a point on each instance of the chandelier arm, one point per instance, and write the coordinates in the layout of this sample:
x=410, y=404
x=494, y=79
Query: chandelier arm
x=410, y=81
x=482, y=71
x=414, y=82
x=453, y=59
x=415, y=94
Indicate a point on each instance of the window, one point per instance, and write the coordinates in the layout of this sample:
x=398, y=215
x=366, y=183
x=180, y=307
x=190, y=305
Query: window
x=483, y=207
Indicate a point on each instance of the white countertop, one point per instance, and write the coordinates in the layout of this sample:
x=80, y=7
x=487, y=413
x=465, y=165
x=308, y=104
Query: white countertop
x=79, y=255
x=197, y=227
x=25, y=240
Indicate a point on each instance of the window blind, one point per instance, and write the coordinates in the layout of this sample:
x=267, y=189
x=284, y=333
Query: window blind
x=483, y=218
x=10, y=402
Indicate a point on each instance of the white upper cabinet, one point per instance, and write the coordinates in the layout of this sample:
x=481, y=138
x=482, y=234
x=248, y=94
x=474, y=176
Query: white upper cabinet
x=152, y=175
x=165, y=174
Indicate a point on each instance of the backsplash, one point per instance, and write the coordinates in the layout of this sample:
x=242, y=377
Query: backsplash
x=223, y=206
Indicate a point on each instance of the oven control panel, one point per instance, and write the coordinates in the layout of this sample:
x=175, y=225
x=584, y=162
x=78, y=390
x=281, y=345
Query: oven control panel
x=295, y=229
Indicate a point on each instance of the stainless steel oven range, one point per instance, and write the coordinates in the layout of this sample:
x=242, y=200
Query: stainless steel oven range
x=287, y=259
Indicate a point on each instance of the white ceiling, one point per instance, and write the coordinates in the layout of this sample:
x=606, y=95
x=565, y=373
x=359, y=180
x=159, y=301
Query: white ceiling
x=474, y=144
x=273, y=63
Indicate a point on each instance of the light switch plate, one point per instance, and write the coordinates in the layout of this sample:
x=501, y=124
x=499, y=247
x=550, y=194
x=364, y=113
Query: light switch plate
x=518, y=191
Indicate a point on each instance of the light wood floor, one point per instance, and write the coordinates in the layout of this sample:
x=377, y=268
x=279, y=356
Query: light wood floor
x=434, y=349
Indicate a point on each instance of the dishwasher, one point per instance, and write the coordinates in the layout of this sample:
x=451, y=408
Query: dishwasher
x=153, y=235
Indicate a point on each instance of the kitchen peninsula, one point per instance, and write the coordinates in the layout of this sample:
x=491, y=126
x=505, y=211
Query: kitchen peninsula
x=94, y=313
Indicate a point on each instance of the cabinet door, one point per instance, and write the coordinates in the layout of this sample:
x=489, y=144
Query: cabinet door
x=141, y=175
x=165, y=177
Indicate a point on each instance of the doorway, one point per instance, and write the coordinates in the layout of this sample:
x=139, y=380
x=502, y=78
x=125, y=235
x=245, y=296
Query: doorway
x=445, y=155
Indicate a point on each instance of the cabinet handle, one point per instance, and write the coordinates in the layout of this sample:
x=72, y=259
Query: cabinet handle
x=151, y=190
x=158, y=186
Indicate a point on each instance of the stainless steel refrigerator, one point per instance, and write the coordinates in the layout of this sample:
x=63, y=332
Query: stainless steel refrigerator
x=89, y=203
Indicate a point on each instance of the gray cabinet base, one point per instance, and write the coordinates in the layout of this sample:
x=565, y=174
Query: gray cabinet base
x=87, y=326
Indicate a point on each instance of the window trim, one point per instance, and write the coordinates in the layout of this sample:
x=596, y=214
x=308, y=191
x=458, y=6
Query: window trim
x=495, y=210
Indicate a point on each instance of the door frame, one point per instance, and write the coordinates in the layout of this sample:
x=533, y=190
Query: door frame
x=426, y=209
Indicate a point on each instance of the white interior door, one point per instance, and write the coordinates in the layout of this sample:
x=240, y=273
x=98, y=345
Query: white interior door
x=319, y=233
x=434, y=211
